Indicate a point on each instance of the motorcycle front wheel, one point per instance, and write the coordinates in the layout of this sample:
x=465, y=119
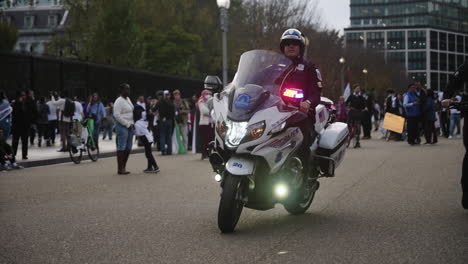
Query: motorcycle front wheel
x=231, y=204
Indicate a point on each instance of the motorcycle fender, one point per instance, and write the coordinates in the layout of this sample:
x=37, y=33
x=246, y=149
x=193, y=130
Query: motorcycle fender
x=240, y=166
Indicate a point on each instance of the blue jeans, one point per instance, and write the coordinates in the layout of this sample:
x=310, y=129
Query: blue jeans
x=97, y=129
x=165, y=135
x=124, y=137
x=5, y=125
x=455, y=121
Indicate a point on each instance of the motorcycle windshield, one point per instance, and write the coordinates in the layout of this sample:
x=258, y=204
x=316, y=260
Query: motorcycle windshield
x=257, y=83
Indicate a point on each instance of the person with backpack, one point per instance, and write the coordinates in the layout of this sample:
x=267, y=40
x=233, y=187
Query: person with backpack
x=42, y=121
x=66, y=109
x=95, y=110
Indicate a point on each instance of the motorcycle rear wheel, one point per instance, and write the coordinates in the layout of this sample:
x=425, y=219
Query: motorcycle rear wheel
x=230, y=205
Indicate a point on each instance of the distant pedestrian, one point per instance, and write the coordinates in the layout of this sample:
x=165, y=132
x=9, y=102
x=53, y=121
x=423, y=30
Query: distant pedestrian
x=341, y=113
x=42, y=121
x=5, y=116
x=21, y=124
x=52, y=124
x=429, y=113
x=206, y=128
x=455, y=117
x=6, y=154
x=413, y=112
x=124, y=127
x=166, y=111
x=66, y=111
x=108, y=121
x=145, y=137
x=31, y=106
x=181, y=116
x=96, y=111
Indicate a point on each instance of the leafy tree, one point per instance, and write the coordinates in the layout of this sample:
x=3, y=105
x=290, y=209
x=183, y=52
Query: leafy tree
x=8, y=36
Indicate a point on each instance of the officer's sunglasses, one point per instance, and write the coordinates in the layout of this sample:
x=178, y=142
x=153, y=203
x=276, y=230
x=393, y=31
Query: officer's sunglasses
x=291, y=42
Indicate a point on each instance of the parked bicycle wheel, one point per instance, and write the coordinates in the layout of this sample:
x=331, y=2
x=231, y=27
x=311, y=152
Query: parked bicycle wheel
x=75, y=154
x=93, y=150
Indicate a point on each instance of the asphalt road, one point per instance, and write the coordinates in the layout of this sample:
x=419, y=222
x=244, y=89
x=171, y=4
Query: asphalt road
x=389, y=203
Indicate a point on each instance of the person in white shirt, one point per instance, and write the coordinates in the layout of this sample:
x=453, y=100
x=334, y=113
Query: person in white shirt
x=455, y=117
x=65, y=122
x=78, y=115
x=52, y=125
x=124, y=127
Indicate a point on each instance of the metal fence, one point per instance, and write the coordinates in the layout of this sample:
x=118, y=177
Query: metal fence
x=42, y=74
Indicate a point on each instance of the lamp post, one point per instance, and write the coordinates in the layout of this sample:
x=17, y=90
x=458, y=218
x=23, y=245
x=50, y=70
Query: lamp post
x=365, y=77
x=342, y=62
x=223, y=8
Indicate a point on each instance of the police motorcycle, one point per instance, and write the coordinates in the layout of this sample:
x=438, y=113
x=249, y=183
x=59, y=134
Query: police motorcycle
x=255, y=151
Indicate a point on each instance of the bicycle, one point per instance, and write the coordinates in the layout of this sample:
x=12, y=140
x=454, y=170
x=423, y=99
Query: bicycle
x=81, y=131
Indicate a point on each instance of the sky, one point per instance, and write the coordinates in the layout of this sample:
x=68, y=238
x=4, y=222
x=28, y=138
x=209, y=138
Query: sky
x=335, y=13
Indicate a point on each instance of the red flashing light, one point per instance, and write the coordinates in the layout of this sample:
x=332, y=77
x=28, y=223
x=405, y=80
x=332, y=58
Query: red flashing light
x=293, y=93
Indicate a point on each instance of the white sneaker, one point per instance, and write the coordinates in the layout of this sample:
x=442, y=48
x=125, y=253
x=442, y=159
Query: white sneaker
x=450, y=137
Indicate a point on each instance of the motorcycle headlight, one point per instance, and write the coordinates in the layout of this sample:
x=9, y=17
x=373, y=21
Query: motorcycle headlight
x=235, y=132
x=254, y=131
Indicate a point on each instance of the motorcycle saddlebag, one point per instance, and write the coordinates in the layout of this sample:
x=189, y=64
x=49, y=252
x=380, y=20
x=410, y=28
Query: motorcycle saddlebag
x=332, y=147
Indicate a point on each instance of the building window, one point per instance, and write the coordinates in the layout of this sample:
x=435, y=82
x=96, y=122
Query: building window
x=443, y=81
x=434, y=81
x=443, y=61
x=29, y=21
x=460, y=60
x=419, y=76
x=396, y=57
x=451, y=62
x=460, y=44
x=355, y=39
x=53, y=20
x=451, y=42
x=434, y=61
x=443, y=41
x=434, y=40
x=375, y=40
x=466, y=44
x=416, y=60
x=395, y=40
x=417, y=39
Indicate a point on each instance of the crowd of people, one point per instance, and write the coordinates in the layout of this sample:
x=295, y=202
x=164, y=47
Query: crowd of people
x=420, y=107
x=165, y=121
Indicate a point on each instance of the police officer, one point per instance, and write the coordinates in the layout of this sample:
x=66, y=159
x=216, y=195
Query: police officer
x=306, y=76
x=456, y=83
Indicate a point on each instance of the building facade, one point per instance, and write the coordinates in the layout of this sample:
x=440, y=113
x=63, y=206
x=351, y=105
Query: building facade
x=36, y=20
x=429, y=38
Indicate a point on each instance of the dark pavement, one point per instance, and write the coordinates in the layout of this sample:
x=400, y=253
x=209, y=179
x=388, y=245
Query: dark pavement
x=389, y=203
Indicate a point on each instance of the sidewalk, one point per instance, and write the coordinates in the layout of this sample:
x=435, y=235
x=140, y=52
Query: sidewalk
x=41, y=156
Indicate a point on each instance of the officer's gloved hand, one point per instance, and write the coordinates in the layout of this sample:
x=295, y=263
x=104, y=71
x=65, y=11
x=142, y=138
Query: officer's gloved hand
x=304, y=107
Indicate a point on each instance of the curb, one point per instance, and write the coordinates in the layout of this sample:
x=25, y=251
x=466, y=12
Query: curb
x=46, y=162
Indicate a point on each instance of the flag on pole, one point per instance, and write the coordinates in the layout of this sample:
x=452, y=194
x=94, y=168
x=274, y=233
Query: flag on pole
x=347, y=91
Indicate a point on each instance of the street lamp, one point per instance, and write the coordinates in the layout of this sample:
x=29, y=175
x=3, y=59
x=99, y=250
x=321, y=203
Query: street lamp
x=365, y=77
x=223, y=8
x=342, y=62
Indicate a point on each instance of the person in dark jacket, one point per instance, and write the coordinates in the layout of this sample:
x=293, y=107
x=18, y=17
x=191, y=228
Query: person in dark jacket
x=166, y=110
x=367, y=115
x=357, y=103
x=42, y=121
x=429, y=111
x=21, y=124
x=412, y=103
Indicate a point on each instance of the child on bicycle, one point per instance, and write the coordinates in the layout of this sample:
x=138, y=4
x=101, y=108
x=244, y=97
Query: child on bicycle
x=143, y=134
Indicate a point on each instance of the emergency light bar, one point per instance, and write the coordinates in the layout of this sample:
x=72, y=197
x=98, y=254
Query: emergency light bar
x=293, y=93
